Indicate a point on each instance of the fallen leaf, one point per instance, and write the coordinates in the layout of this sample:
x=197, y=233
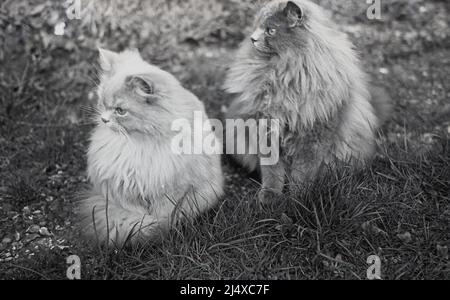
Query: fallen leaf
x=286, y=220
x=44, y=232
x=37, y=9
x=405, y=237
x=442, y=251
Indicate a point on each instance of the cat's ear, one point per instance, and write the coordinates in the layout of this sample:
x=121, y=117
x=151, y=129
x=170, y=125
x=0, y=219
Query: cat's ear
x=140, y=85
x=135, y=51
x=294, y=13
x=107, y=59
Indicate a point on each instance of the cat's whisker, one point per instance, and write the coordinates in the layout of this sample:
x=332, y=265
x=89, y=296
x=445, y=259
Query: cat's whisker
x=89, y=107
x=124, y=133
x=90, y=111
x=87, y=124
x=89, y=120
x=94, y=81
x=90, y=114
x=97, y=71
x=96, y=67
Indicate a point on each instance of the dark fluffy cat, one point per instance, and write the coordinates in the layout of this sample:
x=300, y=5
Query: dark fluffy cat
x=299, y=69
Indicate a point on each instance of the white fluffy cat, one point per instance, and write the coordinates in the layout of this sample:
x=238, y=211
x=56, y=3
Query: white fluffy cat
x=140, y=186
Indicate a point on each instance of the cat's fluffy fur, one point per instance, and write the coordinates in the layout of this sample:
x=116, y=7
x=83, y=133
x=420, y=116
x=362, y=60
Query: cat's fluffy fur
x=310, y=78
x=140, y=186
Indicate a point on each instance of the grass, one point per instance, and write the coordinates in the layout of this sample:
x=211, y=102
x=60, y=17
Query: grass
x=325, y=232
x=398, y=208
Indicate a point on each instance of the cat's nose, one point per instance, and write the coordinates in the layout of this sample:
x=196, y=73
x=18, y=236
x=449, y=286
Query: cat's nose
x=105, y=117
x=257, y=35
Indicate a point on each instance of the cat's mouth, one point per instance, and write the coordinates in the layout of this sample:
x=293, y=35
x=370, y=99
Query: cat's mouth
x=107, y=122
x=262, y=48
x=116, y=128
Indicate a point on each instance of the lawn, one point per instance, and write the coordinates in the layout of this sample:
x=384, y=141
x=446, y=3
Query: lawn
x=398, y=208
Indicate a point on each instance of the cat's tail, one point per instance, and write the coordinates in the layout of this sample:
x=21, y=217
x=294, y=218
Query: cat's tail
x=114, y=226
x=382, y=103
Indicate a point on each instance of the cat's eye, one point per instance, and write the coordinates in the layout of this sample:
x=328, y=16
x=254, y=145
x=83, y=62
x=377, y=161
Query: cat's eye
x=120, y=111
x=271, y=31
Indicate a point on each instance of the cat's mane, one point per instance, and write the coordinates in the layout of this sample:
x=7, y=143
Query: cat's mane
x=314, y=82
x=320, y=84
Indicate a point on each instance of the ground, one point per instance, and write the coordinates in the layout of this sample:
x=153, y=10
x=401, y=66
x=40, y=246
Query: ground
x=398, y=208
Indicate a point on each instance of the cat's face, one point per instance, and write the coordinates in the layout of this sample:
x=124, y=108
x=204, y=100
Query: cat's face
x=280, y=26
x=133, y=96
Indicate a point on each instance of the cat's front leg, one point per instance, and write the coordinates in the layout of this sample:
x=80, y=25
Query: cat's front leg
x=273, y=181
x=272, y=167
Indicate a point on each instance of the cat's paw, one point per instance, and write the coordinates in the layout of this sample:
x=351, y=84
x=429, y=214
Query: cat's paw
x=267, y=197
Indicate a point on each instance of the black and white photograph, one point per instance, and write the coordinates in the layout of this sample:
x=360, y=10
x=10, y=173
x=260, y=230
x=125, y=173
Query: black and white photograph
x=225, y=146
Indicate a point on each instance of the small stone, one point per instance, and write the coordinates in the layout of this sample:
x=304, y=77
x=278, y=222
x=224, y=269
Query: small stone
x=16, y=246
x=384, y=71
x=34, y=229
x=26, y=210
x=448, y=129
x=30, y=238
x=37, y=212
x=428, y=138
x=405, y=237
x=44, y=232
x=7, y=241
